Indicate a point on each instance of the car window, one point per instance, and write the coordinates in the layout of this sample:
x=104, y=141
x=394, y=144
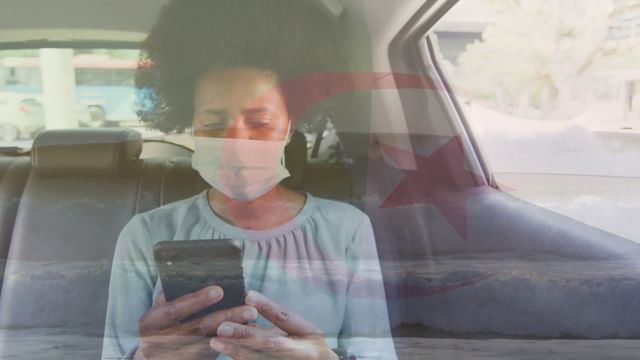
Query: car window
x=103, y=92
x=104, y=96
x=551, y=92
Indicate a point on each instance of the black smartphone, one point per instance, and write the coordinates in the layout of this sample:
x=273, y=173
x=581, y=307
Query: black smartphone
x=185, y=266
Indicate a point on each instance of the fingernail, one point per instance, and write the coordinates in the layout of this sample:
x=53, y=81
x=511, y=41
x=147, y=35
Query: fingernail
x=215, y=293
x=225, y=330
x=217, y=345
x=252, y=298
x=250, y=314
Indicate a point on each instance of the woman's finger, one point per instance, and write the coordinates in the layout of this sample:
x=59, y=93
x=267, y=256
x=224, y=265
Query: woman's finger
x=270, y=342
x=236, y=351
x=197, y=350
x=278, y=348
x=171, y=313
x=293, y=324
x=206, y=326
x=255, y=338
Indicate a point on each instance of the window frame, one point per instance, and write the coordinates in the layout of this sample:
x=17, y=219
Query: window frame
x=412, y=41
x=431, y=61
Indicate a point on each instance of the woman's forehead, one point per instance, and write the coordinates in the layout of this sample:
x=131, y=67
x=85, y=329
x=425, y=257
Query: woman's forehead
x=237, y=86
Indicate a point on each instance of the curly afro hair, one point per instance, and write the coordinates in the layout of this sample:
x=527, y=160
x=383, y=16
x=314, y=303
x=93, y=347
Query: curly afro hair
x=287, y=37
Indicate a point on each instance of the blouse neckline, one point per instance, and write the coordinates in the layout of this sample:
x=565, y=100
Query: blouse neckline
x=235, y=232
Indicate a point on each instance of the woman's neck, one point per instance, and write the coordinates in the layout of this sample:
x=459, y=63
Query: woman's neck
x=274, y=208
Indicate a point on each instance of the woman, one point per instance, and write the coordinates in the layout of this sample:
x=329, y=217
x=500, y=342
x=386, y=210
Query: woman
x=310, y=264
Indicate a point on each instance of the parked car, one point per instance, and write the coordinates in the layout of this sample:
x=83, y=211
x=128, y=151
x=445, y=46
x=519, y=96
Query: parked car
x=24, y=117
x=19, y=117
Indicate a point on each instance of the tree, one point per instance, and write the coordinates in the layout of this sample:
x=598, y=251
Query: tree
x=536, y=52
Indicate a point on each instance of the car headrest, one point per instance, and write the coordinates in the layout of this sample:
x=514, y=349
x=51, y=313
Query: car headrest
x=85, y=151
x=295, y=154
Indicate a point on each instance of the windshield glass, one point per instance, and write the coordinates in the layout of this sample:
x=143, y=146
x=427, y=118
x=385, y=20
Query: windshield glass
x=101, y=93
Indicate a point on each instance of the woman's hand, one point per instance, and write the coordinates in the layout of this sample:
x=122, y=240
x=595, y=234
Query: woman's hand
x=163, y=336
x=292, y=337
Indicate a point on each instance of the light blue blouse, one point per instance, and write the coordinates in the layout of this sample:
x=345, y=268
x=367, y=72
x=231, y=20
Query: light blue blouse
x=322, y=265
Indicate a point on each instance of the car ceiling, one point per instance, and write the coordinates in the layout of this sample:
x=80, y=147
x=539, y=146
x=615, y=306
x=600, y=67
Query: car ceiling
x=24, y=20
x=64, y=20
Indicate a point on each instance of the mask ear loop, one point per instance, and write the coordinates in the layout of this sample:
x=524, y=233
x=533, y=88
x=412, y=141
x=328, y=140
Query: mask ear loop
x=287, y=140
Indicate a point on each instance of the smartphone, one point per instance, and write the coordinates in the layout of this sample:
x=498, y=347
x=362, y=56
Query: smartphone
x=185, y=266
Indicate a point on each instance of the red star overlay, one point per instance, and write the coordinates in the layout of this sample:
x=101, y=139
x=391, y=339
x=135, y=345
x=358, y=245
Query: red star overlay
x=440, y=179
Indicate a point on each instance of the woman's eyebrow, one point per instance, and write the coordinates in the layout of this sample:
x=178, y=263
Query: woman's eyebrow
x=257, y=110
x=217, y=112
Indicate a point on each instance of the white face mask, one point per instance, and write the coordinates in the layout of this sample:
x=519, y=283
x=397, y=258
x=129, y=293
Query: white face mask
x=242, y=169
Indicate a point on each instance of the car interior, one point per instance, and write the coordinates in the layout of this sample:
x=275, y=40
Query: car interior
x=65, y=200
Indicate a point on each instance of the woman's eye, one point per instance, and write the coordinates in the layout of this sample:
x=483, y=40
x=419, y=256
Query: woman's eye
x=211, y=120
x=260, y=122
x=212, y=123
x=217, y=125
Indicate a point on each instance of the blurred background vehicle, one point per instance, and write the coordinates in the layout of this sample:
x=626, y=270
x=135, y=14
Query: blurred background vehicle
x=22, y=116
x=103, y=79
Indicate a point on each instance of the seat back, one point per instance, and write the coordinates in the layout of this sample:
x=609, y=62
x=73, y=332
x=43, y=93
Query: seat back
x=78, y=190
x=13, y=175
x=81, y=191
